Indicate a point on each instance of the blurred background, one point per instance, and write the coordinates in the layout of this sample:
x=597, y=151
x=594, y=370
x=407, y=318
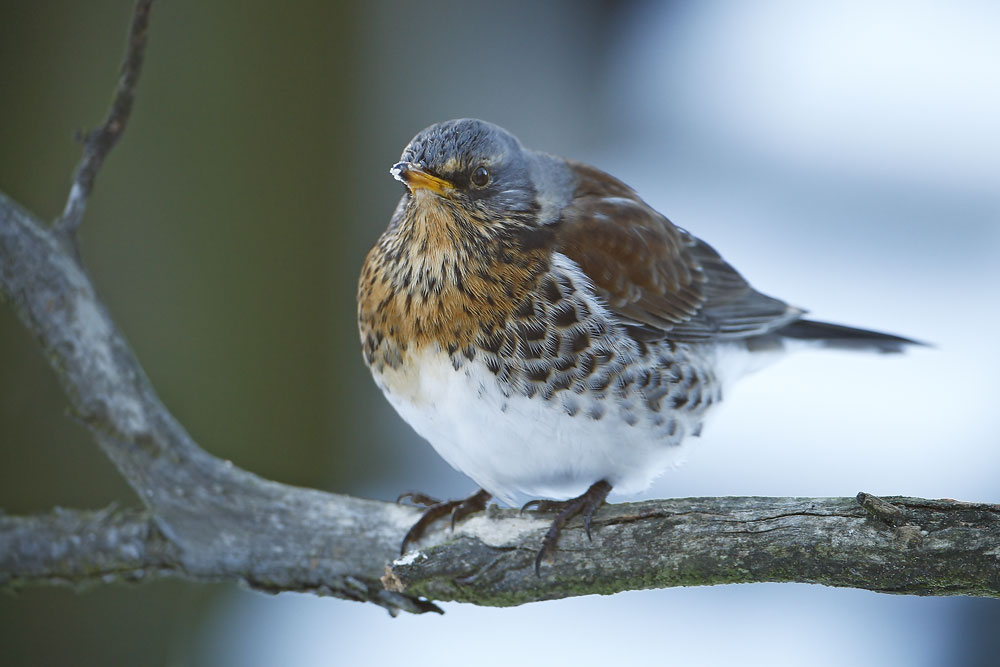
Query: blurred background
x=845, y=156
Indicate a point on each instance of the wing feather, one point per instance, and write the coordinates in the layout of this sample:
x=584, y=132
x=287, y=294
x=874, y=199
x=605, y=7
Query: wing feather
x=658, y=278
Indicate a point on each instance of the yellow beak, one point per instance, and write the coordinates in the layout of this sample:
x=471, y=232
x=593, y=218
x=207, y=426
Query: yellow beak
x=415, y=178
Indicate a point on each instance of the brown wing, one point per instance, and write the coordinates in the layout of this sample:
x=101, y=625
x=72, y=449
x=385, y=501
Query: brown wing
x=662, y=281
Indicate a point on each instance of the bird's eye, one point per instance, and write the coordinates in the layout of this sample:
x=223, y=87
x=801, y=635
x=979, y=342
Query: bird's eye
x=480, y=177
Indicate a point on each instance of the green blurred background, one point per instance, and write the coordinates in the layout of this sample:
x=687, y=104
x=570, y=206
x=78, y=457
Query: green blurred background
x=225, y=235
x=221, y=235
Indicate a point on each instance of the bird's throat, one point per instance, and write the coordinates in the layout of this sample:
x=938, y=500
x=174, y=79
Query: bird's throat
x=439, y=278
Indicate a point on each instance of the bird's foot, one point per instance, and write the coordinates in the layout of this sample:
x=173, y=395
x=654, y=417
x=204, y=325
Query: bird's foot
x=585, y=504
x=459, y=509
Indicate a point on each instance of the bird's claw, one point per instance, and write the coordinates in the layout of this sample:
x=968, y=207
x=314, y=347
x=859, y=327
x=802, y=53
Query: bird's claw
x=585, y=504
x=543, y=505
x=458, y=509
x=418, y=498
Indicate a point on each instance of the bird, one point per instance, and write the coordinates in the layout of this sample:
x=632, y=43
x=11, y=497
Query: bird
x=548, y=332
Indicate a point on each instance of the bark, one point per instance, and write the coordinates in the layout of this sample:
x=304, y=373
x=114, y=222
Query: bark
x=896, y=545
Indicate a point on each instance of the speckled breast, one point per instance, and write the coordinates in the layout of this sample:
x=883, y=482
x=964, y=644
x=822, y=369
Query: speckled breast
x=557, y=398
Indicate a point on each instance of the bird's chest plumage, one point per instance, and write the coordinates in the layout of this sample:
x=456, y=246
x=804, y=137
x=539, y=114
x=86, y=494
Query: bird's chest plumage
x=553, y=397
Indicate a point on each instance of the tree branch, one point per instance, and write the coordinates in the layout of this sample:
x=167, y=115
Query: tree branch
x=79, y=548
x=98, y=143
x=940, y=548
x=897, y=545
x=207, y=520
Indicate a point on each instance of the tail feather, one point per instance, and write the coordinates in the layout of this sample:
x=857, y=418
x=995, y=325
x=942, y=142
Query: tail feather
x=845, y=338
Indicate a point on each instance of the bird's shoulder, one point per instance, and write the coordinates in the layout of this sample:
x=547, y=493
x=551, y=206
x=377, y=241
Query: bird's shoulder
x=659, y=279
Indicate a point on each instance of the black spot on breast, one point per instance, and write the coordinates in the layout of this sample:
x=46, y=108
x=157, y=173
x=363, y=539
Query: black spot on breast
x=655, y=396
x=531, y=331
x=532, y=350
x=493, y=364
x=564, y=314
x=550, y=290
x=560, y=382
x=579, y=340
x=492, y=342
x=626, y=379
x=506, y=371
x=538, y=373
x=688, y=380
x=600, y=382
x=565, y=283
x=525, y=309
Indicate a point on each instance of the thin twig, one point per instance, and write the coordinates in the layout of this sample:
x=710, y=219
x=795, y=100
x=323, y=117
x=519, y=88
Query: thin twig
x=98, y=143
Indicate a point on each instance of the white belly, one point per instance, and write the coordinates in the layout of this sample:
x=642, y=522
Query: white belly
x=521, y=448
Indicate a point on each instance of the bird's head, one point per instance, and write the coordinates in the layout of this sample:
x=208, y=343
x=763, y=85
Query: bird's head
x=469, y=167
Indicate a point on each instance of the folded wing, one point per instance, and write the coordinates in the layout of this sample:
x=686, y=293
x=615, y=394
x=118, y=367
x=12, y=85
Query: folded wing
x=660, y=280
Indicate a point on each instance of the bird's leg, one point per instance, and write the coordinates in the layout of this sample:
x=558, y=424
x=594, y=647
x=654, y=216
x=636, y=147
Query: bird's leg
x=585, y=504
x=435, y=509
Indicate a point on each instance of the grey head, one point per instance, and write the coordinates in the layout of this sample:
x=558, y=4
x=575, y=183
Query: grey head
x=478, y=166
